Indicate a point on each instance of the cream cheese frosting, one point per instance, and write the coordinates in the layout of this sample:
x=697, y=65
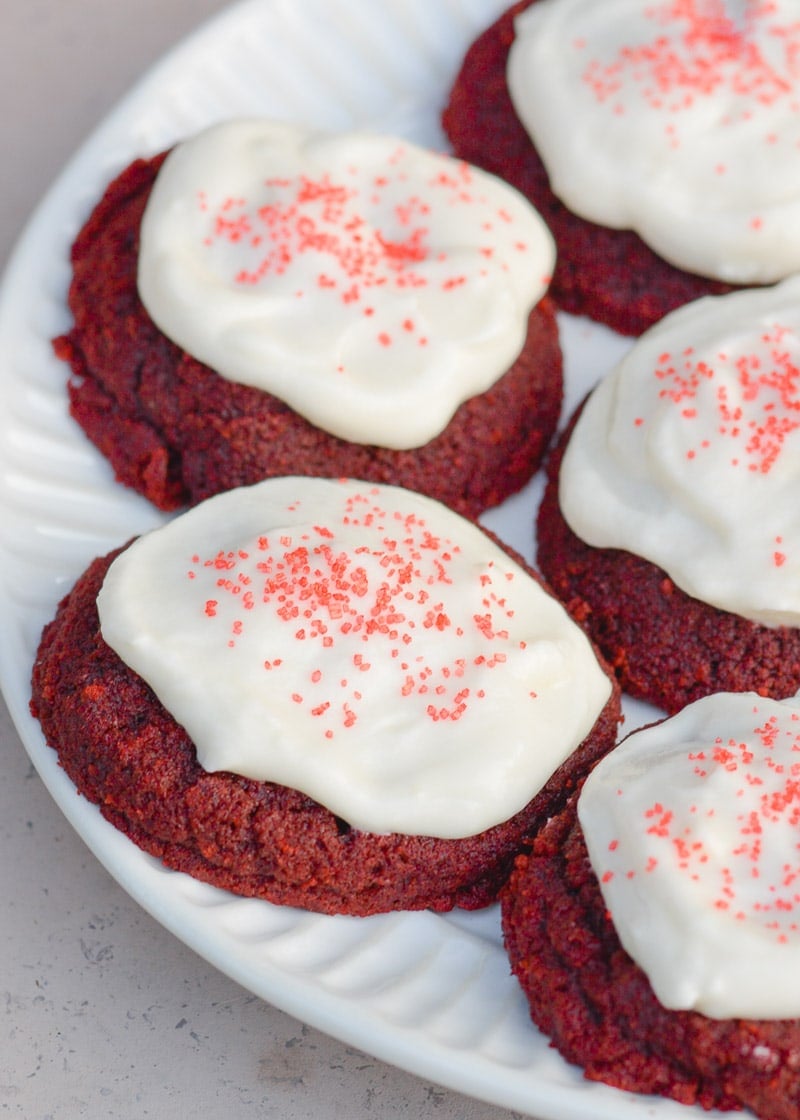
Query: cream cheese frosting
x=679, y=120
x=370, y=284
x=688, y=453
x=692, y=831
x=360, y=643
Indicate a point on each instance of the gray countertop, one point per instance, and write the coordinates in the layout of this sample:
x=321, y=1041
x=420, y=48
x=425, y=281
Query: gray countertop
x=105, y=1013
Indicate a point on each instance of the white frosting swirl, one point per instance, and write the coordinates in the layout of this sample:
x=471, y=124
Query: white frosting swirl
x=688, y=453
x=692, y=831
x=679, y=120
x=371, y=285
x=360, y=643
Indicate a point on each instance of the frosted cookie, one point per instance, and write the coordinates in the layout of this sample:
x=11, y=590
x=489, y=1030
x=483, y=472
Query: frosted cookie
x=658, y=140
x=669, y=524
x=268, y=300
x=326, y=694
x=654, y=926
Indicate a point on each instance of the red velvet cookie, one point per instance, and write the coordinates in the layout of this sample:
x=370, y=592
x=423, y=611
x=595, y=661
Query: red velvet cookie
x=664, y=645
x=127, y=754
x=608, y=274
x=599, y=1010
x=177, y=432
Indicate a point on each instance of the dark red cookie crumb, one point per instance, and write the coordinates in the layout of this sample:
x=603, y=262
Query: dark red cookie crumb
x=125, y=752
x=177, y=432
x=607, y=274
x=664, y=645
x=599, y=1010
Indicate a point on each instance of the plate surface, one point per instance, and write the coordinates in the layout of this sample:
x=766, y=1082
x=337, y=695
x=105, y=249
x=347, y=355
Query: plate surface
x=430, y=993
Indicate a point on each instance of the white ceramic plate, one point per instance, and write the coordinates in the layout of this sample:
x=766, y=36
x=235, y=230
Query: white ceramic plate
x=430, y=993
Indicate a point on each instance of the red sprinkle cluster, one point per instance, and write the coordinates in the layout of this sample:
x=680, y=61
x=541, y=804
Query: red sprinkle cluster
x=333, y=223
x=766, y=408
x=374, y=603
x=776, y=806
x=710, y=52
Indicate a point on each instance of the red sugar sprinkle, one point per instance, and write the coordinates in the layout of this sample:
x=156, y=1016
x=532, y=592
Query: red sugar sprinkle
x=777, y=806
x=768, y=392
x=339, y=596
x=327, y=223
x=698, y=49
x=320, y=216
